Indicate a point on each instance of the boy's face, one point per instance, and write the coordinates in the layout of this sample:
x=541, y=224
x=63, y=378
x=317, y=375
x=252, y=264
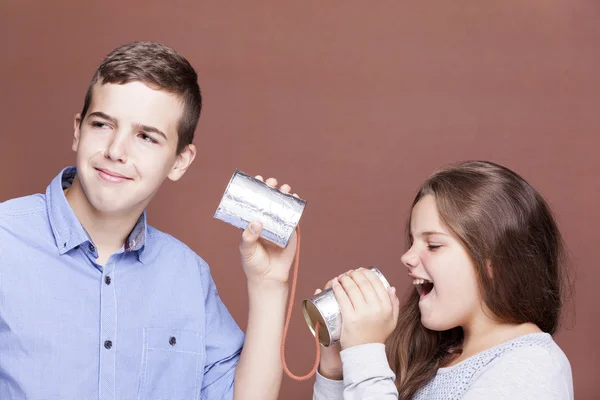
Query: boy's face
x=126, y=146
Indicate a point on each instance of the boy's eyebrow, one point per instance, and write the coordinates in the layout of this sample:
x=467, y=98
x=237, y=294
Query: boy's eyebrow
x=104, y=116
x=146, y=128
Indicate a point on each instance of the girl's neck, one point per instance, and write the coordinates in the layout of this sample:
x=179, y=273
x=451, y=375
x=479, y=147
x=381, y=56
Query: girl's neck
x=481, y=337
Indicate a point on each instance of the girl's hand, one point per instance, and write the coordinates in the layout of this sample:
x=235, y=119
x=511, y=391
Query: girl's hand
x=369, y=311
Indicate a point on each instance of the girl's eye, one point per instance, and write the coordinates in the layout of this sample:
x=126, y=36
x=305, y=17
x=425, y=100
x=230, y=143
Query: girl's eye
x=433, y=247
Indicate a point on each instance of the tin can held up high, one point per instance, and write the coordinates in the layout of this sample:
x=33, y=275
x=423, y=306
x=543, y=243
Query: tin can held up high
x=248, y=199
x=324, y=308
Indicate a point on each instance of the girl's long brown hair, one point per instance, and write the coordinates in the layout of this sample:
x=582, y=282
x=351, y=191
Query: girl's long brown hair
x=501, y=221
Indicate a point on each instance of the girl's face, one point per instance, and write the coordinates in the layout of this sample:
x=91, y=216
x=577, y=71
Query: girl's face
x=442, y=272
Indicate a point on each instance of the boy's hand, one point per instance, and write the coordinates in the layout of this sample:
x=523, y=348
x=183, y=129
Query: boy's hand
x=265, y=263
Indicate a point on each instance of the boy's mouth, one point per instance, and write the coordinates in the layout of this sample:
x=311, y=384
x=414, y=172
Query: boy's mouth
x=111, y=176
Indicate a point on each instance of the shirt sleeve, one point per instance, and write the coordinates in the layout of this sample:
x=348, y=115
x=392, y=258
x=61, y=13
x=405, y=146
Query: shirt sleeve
x=530, y=373
x=367, y=374
x=328, y=389
x=223, y=344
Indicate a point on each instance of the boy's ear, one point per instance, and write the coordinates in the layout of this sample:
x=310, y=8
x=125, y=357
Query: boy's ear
x=183, y=162
x=76, y=131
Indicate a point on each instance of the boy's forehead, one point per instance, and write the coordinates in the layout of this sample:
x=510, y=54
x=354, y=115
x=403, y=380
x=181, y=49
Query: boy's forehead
x=137, y=103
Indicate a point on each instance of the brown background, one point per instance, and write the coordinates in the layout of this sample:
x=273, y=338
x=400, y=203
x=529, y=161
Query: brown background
x=354, y=103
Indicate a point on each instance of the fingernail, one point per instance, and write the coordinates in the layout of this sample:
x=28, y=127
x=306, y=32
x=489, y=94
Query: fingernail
x=254, y=227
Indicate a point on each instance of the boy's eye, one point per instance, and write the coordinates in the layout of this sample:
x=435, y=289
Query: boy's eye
x=97, y=124
x=147, y=138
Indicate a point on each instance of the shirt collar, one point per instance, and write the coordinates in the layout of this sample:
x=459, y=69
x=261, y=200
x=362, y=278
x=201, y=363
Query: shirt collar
x=68, y=231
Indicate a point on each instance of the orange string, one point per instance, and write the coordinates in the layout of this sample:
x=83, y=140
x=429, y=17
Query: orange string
x=289, y=315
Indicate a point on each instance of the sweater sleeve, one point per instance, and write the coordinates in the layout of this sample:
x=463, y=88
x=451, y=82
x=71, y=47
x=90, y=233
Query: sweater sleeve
x=367, y=376
x=328, y=389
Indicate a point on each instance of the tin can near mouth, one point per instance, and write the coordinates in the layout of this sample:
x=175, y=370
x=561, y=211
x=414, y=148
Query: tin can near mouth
x=324, y=308
x=248, y=199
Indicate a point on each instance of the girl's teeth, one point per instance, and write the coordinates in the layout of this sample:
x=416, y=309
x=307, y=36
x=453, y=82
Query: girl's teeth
x=419, y=281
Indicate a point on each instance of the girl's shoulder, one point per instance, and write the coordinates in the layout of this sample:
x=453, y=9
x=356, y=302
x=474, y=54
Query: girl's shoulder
x=533, y=360
x=535, y=352
x=532, y=345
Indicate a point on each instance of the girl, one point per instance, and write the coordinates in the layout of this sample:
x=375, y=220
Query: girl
x=487, y=263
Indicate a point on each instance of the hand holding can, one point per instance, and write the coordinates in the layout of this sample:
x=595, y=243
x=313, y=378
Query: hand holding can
x=361, y=297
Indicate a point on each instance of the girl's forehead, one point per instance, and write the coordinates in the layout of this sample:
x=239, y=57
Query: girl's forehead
x=425, y=219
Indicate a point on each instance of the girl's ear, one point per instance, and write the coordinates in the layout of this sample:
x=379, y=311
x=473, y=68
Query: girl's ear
x=490, y=270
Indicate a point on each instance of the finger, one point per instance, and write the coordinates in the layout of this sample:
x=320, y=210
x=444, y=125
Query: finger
x=395, y=304
x=317, y=292
x=365, y=286
x=271, y=182
x=380, y=290
x=249, y=241
x=342, y=298
x=260, y=178
x=344, y=274
x=296, y=195
x=329, y=284
x=285, y=188
x=352, y=291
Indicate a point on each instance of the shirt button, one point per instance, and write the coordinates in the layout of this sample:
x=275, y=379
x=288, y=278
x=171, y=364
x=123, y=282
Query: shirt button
x=107, y=280
x=172, y=341
x=108, y=344
x=92, y=248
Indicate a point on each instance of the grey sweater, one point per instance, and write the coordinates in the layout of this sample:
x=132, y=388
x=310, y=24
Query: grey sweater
x=528, y=367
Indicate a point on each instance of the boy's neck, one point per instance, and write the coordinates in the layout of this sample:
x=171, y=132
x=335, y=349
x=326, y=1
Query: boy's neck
x=108, y=232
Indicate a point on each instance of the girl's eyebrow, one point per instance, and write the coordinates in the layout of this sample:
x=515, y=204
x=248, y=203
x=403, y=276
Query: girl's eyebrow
x=430, y=233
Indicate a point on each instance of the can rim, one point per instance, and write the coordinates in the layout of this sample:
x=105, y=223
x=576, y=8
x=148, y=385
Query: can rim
x=310, y=324
x=381, y=277
x=236, y=172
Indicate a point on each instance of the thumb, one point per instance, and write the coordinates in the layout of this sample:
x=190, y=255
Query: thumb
x=395, y=304
x=250, y=238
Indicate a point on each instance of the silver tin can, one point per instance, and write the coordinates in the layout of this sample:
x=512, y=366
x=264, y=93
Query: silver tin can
x=324, y=308
x=247, y=199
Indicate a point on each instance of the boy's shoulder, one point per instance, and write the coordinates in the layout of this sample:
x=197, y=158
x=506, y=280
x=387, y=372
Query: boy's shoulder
x=156, y=236
x=22, y=206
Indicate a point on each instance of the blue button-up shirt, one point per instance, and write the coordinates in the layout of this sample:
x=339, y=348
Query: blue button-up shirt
x=147, y=325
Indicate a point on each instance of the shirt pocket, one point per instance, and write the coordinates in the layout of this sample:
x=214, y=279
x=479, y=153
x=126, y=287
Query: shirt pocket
x=172, y=365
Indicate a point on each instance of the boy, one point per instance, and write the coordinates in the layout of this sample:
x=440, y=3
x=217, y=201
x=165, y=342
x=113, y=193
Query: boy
x=95, y=303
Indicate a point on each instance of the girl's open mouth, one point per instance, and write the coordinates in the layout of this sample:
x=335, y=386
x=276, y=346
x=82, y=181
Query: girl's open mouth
x=423, y=286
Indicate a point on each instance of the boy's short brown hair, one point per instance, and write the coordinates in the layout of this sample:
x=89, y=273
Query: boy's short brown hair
x=159, y=67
